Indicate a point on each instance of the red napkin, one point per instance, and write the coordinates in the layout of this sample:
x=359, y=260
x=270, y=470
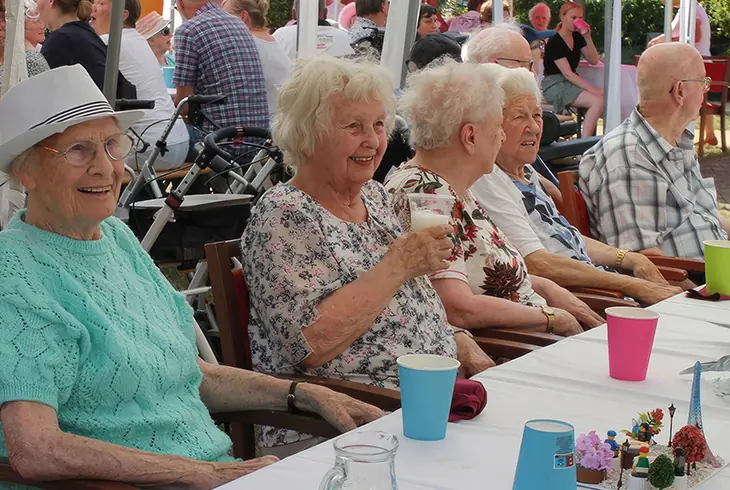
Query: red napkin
x=468, y=401
x=702, y=294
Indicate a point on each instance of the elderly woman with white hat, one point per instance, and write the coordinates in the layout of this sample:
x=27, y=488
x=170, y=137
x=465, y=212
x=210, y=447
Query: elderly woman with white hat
x=156, y=30
x=100, y=377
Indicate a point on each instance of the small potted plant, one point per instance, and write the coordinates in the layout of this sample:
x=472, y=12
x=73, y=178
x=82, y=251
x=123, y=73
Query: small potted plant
x=593, y=456
x=661, y=472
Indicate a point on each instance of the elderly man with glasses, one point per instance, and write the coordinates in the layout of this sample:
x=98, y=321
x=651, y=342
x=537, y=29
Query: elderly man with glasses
x=642, y=182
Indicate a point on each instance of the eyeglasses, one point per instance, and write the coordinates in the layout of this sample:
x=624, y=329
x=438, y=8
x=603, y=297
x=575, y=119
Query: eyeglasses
x=80, y=153
x=706, y=83
x=165, y=31
x=513, y=63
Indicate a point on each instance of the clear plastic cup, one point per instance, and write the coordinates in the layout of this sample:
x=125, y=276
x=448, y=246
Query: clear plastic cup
x=429, y=210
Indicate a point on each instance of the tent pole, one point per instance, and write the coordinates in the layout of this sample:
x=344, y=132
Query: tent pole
x=497, y=16
x=668, y=11
x=307, y=27
x=398, y=41
x=612, y=66
x=112, y=51
x=692, y=26
x=14, y=53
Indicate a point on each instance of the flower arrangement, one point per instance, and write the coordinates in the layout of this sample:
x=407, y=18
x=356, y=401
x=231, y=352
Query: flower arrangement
x=691, y=439
x=592, y=453
x=655, y=420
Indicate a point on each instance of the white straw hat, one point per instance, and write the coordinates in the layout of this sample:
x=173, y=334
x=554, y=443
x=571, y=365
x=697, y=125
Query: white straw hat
x=48, y=104
x=151, y=24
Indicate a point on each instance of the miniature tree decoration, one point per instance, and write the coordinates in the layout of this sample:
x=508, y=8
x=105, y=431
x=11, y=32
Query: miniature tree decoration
x=661, y=472
x=691, y=439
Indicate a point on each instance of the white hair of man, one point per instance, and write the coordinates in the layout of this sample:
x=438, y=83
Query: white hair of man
x=491, y=42
x=304, y=118
x=440, y=99
x=537, y=7
x=518, y=82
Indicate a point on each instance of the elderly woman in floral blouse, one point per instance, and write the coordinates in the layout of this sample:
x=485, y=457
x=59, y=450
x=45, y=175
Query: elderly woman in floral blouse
x=455, y=113
x=337, y=290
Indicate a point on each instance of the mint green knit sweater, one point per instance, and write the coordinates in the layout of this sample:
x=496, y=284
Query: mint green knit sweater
x=93, y=330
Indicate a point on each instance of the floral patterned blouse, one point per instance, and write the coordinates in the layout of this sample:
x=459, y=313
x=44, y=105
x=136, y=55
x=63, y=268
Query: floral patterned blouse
x=482, y=255
x=295, y=253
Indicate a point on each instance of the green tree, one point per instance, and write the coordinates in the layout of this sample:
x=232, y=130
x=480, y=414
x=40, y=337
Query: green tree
x=279, y=13
x=661, y=472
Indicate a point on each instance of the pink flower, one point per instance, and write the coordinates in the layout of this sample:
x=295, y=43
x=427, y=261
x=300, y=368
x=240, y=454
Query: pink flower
x=592, y=453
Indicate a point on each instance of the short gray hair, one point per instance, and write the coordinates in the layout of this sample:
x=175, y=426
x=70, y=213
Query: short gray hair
x=19, y=164
x=440, y=99
x=490, y=43
x=520, y=82
x=537, y=7
x=304, y=117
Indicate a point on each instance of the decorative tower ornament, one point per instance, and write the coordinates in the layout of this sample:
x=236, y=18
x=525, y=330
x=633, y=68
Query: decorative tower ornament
x=695, y=410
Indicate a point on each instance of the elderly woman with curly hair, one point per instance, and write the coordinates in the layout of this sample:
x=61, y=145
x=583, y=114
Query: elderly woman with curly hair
x=455, y=114
x=101, y=377
x=337, y=289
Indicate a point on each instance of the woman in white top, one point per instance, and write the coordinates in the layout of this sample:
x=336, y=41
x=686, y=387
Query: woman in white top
x=139, y=65
x=703, y=35
x=277, y=65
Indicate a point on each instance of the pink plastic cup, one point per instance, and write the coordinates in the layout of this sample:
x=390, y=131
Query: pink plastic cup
x=581, y=26
x=630, y=340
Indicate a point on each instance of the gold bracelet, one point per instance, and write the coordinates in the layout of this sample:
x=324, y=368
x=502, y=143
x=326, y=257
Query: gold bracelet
x=620, y=255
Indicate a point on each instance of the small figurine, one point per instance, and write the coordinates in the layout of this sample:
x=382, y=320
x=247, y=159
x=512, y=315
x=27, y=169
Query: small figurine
x=642, y=466
x=644, y=434
x=611, y=441
x=680, y=476
x=672, y=410
x=679, y=461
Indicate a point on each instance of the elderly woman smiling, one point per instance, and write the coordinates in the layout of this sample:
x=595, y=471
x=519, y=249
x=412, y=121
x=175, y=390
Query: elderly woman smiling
x=100, y=377
x=337, y=290
x=455, y=113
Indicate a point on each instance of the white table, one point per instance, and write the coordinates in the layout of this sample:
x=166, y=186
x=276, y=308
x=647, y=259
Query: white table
x=717, y=312
x=629, y=92
x=567, y=381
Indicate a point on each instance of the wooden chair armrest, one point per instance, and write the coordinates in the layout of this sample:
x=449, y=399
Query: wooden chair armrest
x=504, y=348
x=383, y=398
x=539, y=339
x=600, y=303
x=8, y=474
x=693, y=265
x=305, y=423
x=597, y=292
x=673, y=274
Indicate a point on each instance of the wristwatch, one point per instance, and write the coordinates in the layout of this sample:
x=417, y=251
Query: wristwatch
x=464, y=331
x=551, y=318
x=620, y=256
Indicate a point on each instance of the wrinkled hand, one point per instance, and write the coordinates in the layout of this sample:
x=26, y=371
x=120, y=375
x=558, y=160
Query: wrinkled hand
x=649, y=293
x=472, y=358
x=566, y=324
x=341, y=411
x=643, y=268
x=422, y=252
x=559, y=297
x=213, y=475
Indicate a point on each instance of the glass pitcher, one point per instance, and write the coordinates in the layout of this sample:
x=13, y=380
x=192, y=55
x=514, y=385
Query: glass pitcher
x=363, y=461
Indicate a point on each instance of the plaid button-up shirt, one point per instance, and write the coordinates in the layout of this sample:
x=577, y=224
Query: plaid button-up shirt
x=641, y=192
x=216, y=54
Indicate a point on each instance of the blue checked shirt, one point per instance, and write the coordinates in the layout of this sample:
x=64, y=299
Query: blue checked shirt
x=641, y=192
x=216, y=54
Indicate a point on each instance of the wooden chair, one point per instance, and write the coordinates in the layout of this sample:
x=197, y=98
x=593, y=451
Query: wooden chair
x=232, y=312
x=717, y=68
x=574, y=209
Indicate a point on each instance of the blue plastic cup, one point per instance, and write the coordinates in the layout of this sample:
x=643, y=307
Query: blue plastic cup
x=547, y=457
x=167, y=74
x=426, y=388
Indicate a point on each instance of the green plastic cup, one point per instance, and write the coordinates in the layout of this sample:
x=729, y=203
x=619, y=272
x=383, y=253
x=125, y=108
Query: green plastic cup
x=717, y=266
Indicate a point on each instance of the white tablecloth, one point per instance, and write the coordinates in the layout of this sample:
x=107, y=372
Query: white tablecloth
x=717, y=312
x=629, y=93
x=568, y=381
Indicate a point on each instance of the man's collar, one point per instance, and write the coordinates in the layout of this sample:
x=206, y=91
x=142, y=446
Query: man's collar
x=656, y=145
x=211, y=5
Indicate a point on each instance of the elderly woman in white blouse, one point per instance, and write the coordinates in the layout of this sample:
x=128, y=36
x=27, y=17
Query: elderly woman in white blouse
x=337, y=289
x=455, y=114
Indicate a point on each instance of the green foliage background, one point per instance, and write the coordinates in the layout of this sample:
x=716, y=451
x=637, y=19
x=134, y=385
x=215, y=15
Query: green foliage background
x=639, y=18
